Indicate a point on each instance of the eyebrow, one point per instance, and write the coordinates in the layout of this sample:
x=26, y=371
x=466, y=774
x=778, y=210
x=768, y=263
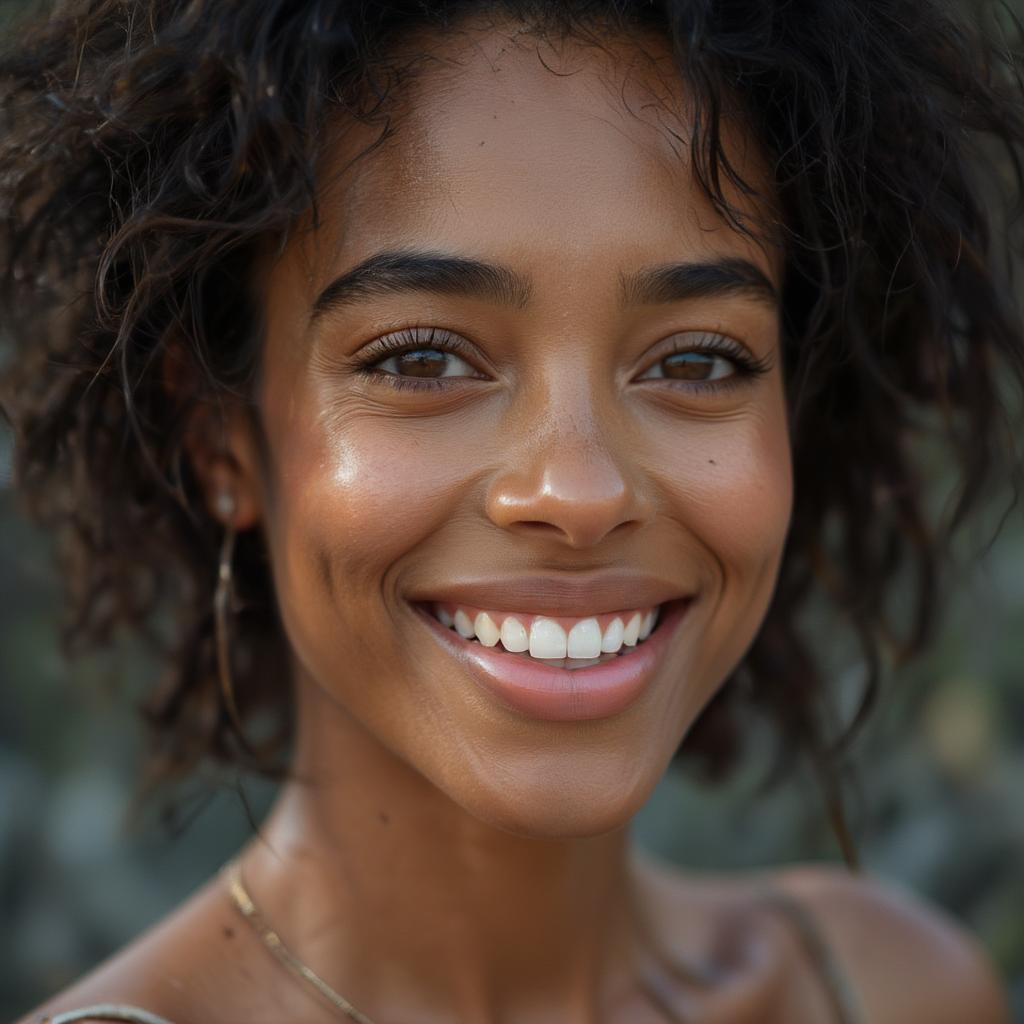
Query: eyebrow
x=403, y=271
x=391, y=273
x=676, y=282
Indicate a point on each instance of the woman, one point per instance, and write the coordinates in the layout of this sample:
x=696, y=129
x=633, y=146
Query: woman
x=484, y=388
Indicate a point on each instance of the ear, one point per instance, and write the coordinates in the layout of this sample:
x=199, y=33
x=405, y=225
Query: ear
x=220, y=442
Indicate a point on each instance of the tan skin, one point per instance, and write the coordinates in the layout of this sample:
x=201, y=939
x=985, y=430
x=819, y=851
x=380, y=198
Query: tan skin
x=447, y=858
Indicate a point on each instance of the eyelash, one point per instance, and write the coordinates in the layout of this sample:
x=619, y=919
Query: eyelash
x=412, y=338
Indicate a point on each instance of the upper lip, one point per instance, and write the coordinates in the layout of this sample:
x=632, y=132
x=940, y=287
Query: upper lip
x=590, y=594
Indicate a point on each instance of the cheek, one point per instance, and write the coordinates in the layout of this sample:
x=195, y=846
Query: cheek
x=732, y=487
x=354, y=493
x=741, y=511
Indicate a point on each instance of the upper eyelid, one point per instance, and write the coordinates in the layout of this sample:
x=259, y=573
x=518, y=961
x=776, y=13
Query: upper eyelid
x=408, y=338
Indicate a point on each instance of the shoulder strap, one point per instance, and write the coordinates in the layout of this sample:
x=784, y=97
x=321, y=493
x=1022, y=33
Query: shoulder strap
x=107, y=1011
x=848, y=1007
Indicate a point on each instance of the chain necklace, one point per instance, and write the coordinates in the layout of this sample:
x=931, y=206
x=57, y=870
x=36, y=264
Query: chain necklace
x=232, y=873
x=243, y=901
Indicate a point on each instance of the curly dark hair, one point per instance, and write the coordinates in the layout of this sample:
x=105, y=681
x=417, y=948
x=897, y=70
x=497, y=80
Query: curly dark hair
x=150, y=150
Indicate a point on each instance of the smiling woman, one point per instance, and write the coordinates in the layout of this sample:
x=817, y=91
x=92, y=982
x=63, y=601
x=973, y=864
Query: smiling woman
x=485, y=389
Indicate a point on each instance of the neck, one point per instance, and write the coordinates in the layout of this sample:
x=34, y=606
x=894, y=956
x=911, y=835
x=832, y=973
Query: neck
x=401, y=900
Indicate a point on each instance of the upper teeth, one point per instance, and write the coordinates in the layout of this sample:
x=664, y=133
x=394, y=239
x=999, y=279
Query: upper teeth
x=548, y=638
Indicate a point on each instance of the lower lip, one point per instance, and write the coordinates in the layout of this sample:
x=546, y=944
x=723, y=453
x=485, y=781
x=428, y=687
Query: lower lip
x=562, y=694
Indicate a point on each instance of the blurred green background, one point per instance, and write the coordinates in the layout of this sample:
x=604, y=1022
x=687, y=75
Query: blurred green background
x=940, y=764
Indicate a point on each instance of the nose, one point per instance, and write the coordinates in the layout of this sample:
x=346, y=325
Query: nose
x=568, y=484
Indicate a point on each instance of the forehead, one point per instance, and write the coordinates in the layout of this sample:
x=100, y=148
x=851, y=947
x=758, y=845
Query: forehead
x=504, y=144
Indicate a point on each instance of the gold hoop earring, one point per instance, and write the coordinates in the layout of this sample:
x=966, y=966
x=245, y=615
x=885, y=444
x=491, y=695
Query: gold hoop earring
x=221, y=607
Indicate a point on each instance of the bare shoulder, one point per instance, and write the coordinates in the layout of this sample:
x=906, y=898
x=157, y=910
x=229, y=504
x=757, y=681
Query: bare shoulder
x=146, y=974
x=194, y=965
x=908, y=960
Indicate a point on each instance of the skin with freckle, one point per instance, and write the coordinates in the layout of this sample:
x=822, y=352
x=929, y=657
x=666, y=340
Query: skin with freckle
x=438, y=855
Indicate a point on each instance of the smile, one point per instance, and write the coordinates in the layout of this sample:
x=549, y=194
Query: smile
x=571, y=643
x=553, y=667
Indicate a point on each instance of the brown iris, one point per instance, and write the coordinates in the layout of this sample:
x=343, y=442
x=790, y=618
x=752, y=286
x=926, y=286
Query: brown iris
x=421, y=362
x=688, y=365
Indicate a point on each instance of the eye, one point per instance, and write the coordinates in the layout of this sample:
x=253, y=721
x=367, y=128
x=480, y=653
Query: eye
x=703, y=359
x=433, y=357
x=417, y=357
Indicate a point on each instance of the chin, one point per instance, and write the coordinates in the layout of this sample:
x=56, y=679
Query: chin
x=546, y=804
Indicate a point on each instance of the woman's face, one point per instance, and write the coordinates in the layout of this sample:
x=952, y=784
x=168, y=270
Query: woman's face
x=576, y=455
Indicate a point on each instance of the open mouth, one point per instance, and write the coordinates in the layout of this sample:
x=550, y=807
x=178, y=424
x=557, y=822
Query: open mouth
x=555, y=641
x=521, y=659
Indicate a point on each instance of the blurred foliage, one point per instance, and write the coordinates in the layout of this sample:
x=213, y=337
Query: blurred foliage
x=940, y=808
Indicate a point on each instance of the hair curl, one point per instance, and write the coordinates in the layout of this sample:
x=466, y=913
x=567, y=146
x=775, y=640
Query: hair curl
x=151, y=149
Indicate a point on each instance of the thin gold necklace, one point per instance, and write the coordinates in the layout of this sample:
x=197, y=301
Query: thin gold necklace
x=232, y=874
x=243, y=901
